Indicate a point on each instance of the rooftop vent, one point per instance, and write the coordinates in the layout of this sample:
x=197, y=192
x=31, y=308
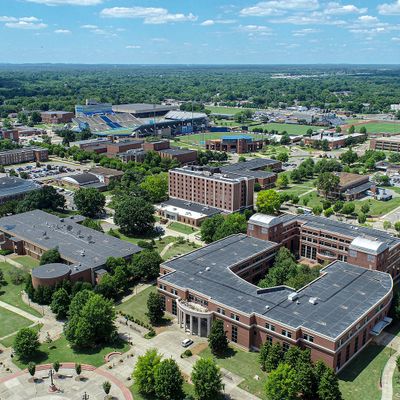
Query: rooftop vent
x=207, y=268
x=267, y=307
x=293, y=296
x=313, y=300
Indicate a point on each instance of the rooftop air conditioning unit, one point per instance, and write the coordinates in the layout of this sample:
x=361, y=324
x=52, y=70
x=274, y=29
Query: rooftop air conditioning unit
x=313, y=300
x=293, y=296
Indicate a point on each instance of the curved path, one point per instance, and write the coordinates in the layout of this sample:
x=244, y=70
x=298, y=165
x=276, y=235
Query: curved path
x=17, y=386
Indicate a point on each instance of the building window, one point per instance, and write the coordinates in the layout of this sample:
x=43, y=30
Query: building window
x=235, y=317
x=161, y=286
x=370, y=257
x=339, y=360
x=251, y=227
x=364, y=337
x=308, y=337
x=270, y=327
x=352, y=253
x=220, y=311
x=174, y=291
x=286, y=333
x=234, y=333
x=356, y=345
x=347, y=352
x=285, y=346
x=269, y=339
x=174, y=309
x=163, y=302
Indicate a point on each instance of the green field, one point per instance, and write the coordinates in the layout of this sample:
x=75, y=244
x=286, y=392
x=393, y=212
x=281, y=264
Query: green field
x=179, y=249
x=291, y=129
x=360, y=379
x=298, y=190
x=380, y=127
x=136, y=306
x=11, y=322
x=182, y=228
x=244, y=364
x=8, y=342
x=10, y=293
x=27, y=261
x=188, y=389
x=60, y=350
x=228, y=110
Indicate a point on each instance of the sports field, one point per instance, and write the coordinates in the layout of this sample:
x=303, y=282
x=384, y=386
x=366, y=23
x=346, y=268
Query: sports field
x=228, y=110
x=380, y=127
x=291, y=129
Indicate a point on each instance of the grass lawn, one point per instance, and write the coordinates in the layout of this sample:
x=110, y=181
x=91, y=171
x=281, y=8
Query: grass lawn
x=378, y=208
x=244, y=364
x=160, y=244
x=291, y=129
x=11, y=322
x=27, y=261
x=360, y=379
x=178, y=249
x=298, y=190
x=135, y=239
x=60, y=350
x=227, y=110
x=380, y=127
x=188, y=389
x=182, y=228
x=136, y=306
x=396, y=384
x=11, y=294
x=8, y=342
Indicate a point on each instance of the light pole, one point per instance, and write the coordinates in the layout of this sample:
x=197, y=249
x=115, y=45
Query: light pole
x=85, y=396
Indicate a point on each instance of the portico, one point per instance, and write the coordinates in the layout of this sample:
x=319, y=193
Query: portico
x=194, y=318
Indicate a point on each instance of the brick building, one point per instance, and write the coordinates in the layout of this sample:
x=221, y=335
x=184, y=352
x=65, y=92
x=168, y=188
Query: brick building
x=235, y=144
x=23, y=155
x=13, y=188
x=335, y=316
x=334, y=140
x=226, y=192
x=183, y=156
x=320, y=239
x=122, y=146
x=56, y=117
x=83, y=251
x=386, y=144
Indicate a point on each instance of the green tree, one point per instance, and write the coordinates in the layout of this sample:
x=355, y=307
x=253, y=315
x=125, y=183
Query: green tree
x=327, y=183
x=60, y=303
x=282, y=383
x=155, y=308
x=50, y=256
x=328, y=388
x=283, y=157
x=296, y=176
x=134, y=215
x=283, y=181
x=363, y=130
x=274, y=357
x=233, y=223
x=338, y=206
x=268, y=202
x=146, y=264
x=328, y=212
x=348, y=208
x=144, y=372
x=45, y=198
x=217, y=339
x=89, y=202
x=209, y=227
x=92, y=224
x=56, y=366
x=156, y=187
x=397, y=226
x=361, y=218
x=106, y=387
x=387, y=225
x=207, y=379
x=26, y=343
x=32, y=368
x=168, y=381
x=263, y=354
x=91, y=320
x=78, y=368
x=398, y=363
x=351, y=129
x=35, y=118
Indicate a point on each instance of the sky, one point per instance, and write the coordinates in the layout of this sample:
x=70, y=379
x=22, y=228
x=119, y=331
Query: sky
x=200, y=31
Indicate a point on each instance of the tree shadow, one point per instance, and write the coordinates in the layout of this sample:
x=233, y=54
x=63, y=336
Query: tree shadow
x=230, y=352
x=360, y=362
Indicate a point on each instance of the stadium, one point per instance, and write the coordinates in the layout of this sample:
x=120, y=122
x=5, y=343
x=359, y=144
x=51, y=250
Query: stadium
x=137, y=119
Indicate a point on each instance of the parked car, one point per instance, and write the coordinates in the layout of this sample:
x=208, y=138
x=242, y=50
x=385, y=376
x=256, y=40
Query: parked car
x=186, y=342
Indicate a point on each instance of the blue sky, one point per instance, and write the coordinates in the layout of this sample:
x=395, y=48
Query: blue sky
x=200, y=31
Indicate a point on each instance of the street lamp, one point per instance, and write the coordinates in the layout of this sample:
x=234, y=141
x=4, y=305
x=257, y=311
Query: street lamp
x=85, y=396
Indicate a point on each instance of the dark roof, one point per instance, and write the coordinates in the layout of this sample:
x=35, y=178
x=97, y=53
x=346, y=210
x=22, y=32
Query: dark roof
x=187, y=205
x=176, y=151
x=12, y=186
x=85, y=247
x=84, y=178
x=344, y=292
x=360, y=188
x=105, y=171
x=254, y=164
x=48, y=271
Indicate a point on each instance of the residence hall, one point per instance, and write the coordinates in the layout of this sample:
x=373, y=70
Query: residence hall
x=335, y=316
x=226, y=192
x=239, y=144
x=23, y=155
x=84, y=251
x=320, y=239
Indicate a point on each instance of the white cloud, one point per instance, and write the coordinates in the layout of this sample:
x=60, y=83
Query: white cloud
x=305, y=31
x=150, y=15
x=278, y=7
x=159, y=40
x=315, y=18
x=25, y=25
x=367, y=19
x=254, y=28
x=67, y=2
x=62, y=31
x=133, y=46
x=389, y=9
x=210, y=22
x=89, y=26
x=4, y=18
x=396, y=39
x=334, y=8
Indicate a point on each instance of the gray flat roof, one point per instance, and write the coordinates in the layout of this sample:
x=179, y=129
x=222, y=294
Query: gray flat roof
x=48, y=271
x=12, y=186
x=141, y=107
x=177, y=151
x=344, y=292
x=250, y=165
x=76, y=243
x=190, y=206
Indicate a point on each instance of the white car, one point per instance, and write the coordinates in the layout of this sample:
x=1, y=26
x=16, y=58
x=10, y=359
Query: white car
x=186, y=342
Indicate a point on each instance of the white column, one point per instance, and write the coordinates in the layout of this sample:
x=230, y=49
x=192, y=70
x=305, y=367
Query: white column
x=179, y=316
x=198, y=326
x=208, y=325
x=191, y=325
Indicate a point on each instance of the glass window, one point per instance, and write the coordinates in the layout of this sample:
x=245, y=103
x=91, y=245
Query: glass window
x=234, y=333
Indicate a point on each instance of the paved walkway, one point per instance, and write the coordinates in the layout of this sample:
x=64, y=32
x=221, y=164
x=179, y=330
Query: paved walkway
x=20, y=312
